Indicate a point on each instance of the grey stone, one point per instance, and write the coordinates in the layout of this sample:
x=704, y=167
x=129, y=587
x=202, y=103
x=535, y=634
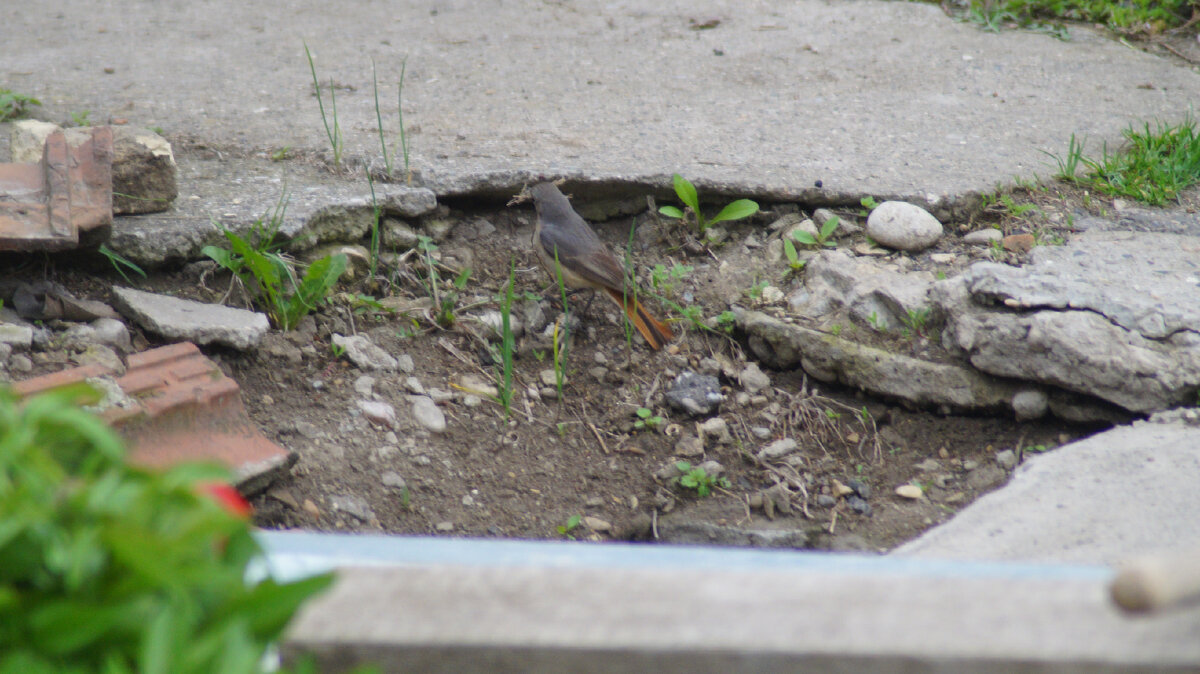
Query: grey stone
x=1111, y=315
x=378, y=412
x=398, y=234
x=689, y=446
x=16, y=335
x=717, y=429
x=1006, y=459
x=829, y=358
x=407, y=202
x=5, y=351
x=20, y=363
x=428, y=414
x=112, y=332
x=364, y=353
x=391, y=478
x=903, y=226
x=353, y=505
x=493, y=322
x=983, y=237
x=826, y=501
x=835, y=281
x=197, y=322
x=695, y=394
x=861, y=488
x=753, y=379
x=364, y=385
x=706, y=533
x=778, y=449
x=1030, y=404
x=928, y=466
x=859, y=505
x=534, y=315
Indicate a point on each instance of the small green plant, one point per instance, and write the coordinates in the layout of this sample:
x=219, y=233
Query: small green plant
x=917, y=320
x=836, y=329
x=868, y=204
x=1047, y=237
x=737, y=210
x=561, y=428
x=272, y=278
x=663, y=280
x=444, y=304
x=698, y=479
x=726, y=321
x=333, y=133
x=832, y=415
x=505, y=362
x=1015, y=209
x=793, y=258
x=387, y=158
x=281, y=154
x=112, y=568
x=877, y=322
x=865, y=414
x=996, y=248
x=81, y=118
x=337, y=349
x=120, y=263
x=571, y=525
x=821, y=239
x=646, y=419
x=14, y=105
x=940, y=275
x=755, y=291
x=400, y=114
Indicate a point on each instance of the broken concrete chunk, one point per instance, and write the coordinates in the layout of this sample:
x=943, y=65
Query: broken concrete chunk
x=192, y=321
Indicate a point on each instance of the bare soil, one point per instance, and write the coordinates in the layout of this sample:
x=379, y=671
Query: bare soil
x=529, y=474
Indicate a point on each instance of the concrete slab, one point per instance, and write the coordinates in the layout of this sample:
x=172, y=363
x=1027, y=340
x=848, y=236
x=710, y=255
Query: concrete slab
x=883, y=98
x=1120, y=494
x=424, y=604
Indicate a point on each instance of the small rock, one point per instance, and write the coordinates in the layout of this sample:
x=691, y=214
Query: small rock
x=859, y=505
x=405, y=364
x=942, y=258
x=717, y=429
x=826, y=501
x=276, y=345
x=17, y=336
x=414, y=386
x=712, y=468
x=1030, y=404
x=909, y=491
x=20, y=363
x=1006, y=459
x=760, y=432
x=494, y=322
x=471, y=400
x=365, y=386
x=596, y=524
x=983, y=237
x=970, y=464
x=478, y=386
x=548, y=377
x=985, y=477
x=355, y=506
x=180, y=319
x=598, y=373
x=778, y=449
x=753, y=379
x=689, y=446
x=364, y=353
x=428, y=414
x=1018, y=243
x=111, y=332
x=861, y=488
x=709, y=366
x=904, y=226
x=534, y=315
x=839, y=489
x=101, y=354
x=311, y=508
x=378, y=412
x=928, y=466
x=444, y=526
x=771, y=295
x=392, y=479
x=695, y=394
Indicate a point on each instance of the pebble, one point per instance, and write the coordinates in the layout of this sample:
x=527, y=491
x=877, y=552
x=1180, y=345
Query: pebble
x=771, y=295
x=970, y=465
x=473, y=384
x=712, y=468
x=695, y=394
x=859, y=505
x=717, y=429
x=710, y=366
x=942, y=258
x=840, y=489
x=440, y=395
x=861, y=488
x=928, y=466
x=753, y=379
x=548, y=378
x=414, y=386
x=904, y=226
x=444, y=526
x=909, y=491
x=1006, y=459
x=826, y=501
x=778, y=449
x=689, y=446
x=311, y=508
x=760, y=432
x=1030, y=404
x=19, y=362
x=378, y=412
x=1018, y=243
x=365, y=354
x=983, y=237
x=596, y=524
x=392, y=479
x=365, y=386
x=598, y=372
x=471, y=400
x=355, y=506
x=427, y=413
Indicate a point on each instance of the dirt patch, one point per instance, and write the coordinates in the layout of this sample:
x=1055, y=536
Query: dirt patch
x=553, y=459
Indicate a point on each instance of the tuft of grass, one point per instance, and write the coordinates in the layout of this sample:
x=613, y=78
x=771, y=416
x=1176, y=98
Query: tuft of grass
x=506, y=343
x=697, y=479
x=334, y=133
x=14, y=105
x=1154, y=166
x=120, y=263
x=387, y=159
x=400, y=116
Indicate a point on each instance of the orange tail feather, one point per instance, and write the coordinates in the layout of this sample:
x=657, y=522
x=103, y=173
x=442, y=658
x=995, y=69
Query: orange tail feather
x=656, y=332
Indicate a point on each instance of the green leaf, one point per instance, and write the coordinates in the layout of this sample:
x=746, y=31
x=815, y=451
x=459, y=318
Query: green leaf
x=803, y=237
x=671, y=212
x=686, y=192
x=742, y=208
x=643, y=412
x=789, y=250
x=828, y=228
x=222, y=257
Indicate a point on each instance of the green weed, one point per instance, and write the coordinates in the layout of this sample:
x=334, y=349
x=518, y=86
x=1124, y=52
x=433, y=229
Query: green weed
x=698, y=479
x=646, y=419
x=821, y=239
x=120, y=263
x=737, y=210
x=14, y=105
x=572, y=524
x=1155, y=165
x=333, y=133
x=81, y=118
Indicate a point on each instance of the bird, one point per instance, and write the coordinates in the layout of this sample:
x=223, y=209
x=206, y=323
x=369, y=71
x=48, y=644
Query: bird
x=585, y=261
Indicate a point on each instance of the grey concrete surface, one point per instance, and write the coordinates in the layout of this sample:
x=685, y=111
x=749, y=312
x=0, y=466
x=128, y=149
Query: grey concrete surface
x=413, y=604
x=1124, y=493
x=882, y=98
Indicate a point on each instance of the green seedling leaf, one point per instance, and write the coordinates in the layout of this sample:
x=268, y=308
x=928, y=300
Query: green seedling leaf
x=804, y=238
x=671, y=212
x=828, y=229
x=686, y=192
x=742, y=208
